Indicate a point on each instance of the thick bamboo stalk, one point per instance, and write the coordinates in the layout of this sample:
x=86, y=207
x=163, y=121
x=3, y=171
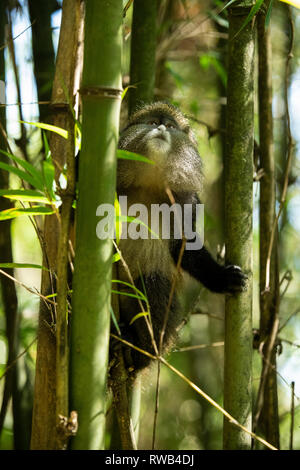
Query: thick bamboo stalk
x=101, y=93
x=143, y=47
x=238, y=224
x=51, y=383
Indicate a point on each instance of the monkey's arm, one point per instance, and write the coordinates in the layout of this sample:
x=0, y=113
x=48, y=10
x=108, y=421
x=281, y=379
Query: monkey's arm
x=201, y=265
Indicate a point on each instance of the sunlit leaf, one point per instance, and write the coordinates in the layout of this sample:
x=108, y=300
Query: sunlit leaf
x=48, y=174
x=34, y=175
x=294, y=3
x=20, y=173
x=26, y=195
x=116, y=257
x=124, y=92
x=49, y=127
x=126, y=155
x=22, y=265
x=138, y=315
x=14, y=212
x=118, y=222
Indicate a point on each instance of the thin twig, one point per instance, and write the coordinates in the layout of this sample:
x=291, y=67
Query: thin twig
x=126, y=8
x=22, y=142
x=290, y=146
x=292, y=414
x=16, y=37
x=291, y=343
x=32, y=291
x=18, y=357
x=288, y=319
x=265, y=371
x=200, y=346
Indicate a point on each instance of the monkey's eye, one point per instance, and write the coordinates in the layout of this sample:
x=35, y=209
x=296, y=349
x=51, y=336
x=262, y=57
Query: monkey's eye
x=153, y=122
x=170, y=125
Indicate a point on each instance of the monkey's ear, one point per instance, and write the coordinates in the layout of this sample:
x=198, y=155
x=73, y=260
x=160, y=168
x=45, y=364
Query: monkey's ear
x=191, y=136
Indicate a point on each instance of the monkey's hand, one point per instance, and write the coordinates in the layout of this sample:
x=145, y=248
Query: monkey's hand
x=233, y=280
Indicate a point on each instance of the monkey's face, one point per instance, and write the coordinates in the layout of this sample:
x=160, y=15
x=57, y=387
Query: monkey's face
x=161, y=133
x=152, y=135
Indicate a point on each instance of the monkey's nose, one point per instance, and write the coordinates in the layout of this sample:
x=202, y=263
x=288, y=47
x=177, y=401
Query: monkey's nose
x=162, y=127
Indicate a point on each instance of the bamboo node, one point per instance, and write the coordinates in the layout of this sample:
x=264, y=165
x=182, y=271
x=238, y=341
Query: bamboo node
x=101, y=92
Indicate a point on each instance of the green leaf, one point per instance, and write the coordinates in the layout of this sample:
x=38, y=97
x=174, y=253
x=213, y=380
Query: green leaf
x=141, y=295
x=126, y=293
x=124, y=92
x=117, y=220
x=26, y=195
x=227, y=5
x=19, y=212
x=268, y=14
x=138, y=315
x=126, y=155
x=48, y=175
x=48, y=127
x=34, y=175
x=20, y=173
x=116, y=257
x=251, y=14
x=46, y=145
x=135, y=220
x=115, y=321
x=22, y=265
x=211, y=59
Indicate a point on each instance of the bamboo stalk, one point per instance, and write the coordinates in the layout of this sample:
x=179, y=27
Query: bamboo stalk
x=266, y=411
x=238, y=225
x=101, y=98
x=51, y=385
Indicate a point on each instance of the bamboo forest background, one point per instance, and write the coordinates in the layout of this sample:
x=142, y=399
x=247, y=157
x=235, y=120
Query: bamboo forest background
x=190, y=66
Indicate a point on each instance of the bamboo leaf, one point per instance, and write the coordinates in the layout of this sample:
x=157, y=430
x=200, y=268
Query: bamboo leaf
x=132, y=287
x=22, y=265
x=135, y=220
x=20, y=173
x=126, y=155
x=294, y=3
x=116, y=257
x=268, y=14
x=227, y=5
x=27, y=195
x=126, y=294
x=14, y=212
x=115, y=321
x=48, y=175
x=117, y=220
x=48, y=127
x=252, y=13
x=138, y=315
x=35, y=174
x=46, y=145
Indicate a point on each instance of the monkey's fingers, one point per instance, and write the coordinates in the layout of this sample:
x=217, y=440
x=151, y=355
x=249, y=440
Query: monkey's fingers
x=234, y=279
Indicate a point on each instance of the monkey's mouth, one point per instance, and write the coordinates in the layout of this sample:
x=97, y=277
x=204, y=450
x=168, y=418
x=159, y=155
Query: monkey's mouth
x=160, y=135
